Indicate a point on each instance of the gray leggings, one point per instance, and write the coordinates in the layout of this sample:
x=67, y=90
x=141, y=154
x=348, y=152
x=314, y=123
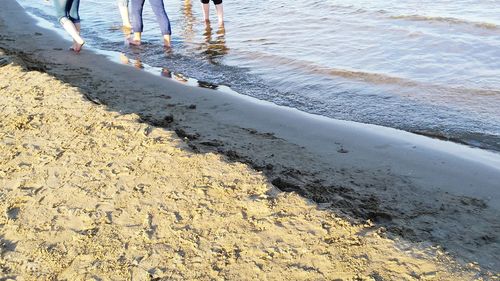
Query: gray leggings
x=67, y=9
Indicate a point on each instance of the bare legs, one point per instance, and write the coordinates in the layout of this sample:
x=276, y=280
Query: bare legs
x=206, y=9
x=125, y=16
x=220, y=13
x=73, y=30
x=67, y=13
x=76, y=46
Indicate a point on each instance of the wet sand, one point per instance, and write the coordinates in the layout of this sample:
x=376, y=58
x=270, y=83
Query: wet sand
x=109, y=173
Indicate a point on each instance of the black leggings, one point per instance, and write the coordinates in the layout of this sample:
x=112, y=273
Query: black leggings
x=216, y=2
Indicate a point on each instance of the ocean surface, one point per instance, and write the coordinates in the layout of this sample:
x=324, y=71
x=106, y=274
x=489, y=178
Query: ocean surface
x=429, y=67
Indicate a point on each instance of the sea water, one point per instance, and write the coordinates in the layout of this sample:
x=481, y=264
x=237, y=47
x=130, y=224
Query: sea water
x=429, y=67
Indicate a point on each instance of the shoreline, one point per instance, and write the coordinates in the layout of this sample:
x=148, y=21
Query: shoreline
x=483, y=155
x=360, y=171
x=489, y=158
x=486, y=141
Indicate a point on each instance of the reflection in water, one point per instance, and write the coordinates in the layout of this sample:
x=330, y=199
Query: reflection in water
x=165, y=72
x=213, y=47
x=215, y=44
x=208, y=85
x=126, y=31
x=137, y=63
x=180, y=77
x=189, y=21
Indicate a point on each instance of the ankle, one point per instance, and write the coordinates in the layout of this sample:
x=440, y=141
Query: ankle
x=167, y=40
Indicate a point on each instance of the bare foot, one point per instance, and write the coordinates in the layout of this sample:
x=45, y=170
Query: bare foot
x=77, y=47
x=134, y=42
x=221, y=31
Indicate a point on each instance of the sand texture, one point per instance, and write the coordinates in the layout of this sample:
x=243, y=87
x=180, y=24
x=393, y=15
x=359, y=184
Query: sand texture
x=89, y=194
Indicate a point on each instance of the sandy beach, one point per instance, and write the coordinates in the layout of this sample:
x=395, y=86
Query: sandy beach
x=112, y=173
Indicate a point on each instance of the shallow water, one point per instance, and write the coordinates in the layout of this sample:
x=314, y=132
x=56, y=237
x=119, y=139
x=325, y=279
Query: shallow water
x=431, y=67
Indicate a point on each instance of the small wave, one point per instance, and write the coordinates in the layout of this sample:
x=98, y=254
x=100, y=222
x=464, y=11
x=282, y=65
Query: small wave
x=348, y=9
x=449, y=20
x=438, y=92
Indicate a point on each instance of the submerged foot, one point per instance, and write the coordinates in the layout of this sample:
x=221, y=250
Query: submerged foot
x=134, y=42
x=127, y=30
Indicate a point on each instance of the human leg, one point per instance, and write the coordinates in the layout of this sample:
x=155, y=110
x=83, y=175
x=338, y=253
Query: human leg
x=206, y=8
x=74, y=16
x=137, y=24
x=63, y=9
x=123, y=7
x=72, y=30
x=163, y=20
x=220, y=11
x=77, y=47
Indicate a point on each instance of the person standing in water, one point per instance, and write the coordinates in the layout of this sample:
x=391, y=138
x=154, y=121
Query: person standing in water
x=218, y=7
x=161, y=16
x=68, y=16
x=123, y=7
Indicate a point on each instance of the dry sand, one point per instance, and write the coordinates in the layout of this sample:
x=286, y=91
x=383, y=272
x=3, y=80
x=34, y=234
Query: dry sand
x=104, y=177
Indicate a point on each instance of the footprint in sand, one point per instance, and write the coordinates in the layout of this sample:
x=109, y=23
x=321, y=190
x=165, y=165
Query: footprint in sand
x=13, y=213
